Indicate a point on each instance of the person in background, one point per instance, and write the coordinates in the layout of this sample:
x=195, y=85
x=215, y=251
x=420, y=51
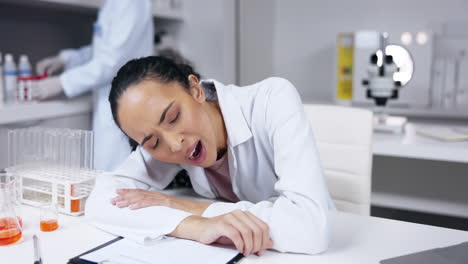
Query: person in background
x=252, y=147
x=123, y=31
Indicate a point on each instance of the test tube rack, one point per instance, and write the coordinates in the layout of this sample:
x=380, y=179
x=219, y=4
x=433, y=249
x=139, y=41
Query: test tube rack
x=53, y=166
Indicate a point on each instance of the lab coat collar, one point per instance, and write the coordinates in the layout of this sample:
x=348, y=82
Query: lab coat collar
x=237, y=128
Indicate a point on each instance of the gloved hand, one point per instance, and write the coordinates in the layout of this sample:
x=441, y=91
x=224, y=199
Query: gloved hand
x=52, y=65
x=46, y=88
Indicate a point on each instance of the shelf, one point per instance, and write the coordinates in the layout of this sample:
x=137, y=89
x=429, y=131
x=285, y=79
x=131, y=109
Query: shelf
x=412, y=145
x=421, y=112
x=425, y=112
x=15, y=113
x=398, y=201
x=96, y=4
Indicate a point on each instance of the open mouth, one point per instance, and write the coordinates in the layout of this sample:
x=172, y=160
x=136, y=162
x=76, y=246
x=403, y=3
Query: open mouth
x=197, y=153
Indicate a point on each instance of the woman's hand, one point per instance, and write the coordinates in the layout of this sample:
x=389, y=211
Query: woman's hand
x=245, y=231
x=138, y=198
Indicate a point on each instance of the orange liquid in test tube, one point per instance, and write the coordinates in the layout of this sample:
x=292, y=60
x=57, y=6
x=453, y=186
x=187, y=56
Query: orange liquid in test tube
x=75, y=204
x=49, y=225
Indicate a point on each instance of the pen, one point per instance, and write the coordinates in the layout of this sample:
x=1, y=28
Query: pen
x=37, y=251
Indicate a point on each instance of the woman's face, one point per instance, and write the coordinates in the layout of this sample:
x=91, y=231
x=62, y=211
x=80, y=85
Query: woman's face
x=171, y=123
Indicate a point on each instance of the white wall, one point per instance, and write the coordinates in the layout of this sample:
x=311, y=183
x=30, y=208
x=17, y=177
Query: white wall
x=305, y=33
x=206, y=38
x=256, y=28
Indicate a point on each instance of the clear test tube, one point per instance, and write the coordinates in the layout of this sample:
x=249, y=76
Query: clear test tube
x=86, y=155
x=77, y=149
x=31, y=147
x=41, y=139
x=67, y=152
x=66, y=149
x=72, y=149
x=86, y=151
x=62, y=143
x=20, y=158
x=56, y=147
x=35, y=144
x=91, y=150
x=11, y=148
x=47, y=147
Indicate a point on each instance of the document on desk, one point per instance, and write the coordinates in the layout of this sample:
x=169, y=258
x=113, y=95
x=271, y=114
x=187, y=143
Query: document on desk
x=170, y=250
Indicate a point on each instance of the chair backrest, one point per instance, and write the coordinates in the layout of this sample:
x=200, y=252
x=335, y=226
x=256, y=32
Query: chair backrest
x=344, y=140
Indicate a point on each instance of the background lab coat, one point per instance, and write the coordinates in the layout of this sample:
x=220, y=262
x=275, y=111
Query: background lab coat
x=273, y=164
x=123, y=31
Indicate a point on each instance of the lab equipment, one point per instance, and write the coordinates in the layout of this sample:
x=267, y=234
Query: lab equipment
x=49, y=217
x=53, y=165
x=11, y=224
x=382, y=86
x=11, y=78
x=24, y=67
x=25, y=88
x=412, y=53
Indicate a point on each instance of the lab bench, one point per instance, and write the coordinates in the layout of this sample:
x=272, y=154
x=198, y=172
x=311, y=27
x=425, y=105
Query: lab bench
x=354, y=239
x=417, y=173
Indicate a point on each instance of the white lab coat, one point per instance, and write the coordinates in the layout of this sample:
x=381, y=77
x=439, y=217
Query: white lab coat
x=123, y=31
x=273, y=163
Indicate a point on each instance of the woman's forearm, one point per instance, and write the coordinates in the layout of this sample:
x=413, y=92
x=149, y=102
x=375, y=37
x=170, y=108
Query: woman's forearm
x=138, y=198
x=194, y=207
x=187, y=228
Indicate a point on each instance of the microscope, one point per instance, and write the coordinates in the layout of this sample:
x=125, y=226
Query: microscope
x=382, y=87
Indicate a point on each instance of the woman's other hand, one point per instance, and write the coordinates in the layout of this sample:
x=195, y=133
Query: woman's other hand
x=245, y=231
x=138, y=198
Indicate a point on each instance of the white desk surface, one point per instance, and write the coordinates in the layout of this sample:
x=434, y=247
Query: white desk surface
x=412, y=145
x=355, y=239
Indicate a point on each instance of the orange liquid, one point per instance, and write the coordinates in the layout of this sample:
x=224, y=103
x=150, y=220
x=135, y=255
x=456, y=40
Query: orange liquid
x=75, y=205
x=49, y=225
x=9, y=231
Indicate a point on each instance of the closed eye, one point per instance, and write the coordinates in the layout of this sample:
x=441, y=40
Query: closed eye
x=175, y=118
x=155, y=144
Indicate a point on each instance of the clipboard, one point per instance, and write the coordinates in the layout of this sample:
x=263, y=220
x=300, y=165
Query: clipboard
x=78, y=260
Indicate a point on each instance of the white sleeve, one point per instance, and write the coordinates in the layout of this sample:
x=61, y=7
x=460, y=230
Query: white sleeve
x=122, y=42
x=76, y=57
x=298, y=218
x=141, y=225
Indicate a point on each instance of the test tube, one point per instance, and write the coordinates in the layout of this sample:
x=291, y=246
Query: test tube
x=11, y=148
x=77, y=146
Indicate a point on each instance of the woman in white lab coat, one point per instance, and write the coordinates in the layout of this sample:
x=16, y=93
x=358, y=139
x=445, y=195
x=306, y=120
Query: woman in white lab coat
x=123, y=31
x=274, y=192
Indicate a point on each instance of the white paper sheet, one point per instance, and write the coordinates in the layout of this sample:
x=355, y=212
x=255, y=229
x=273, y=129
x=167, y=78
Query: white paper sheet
x=170, y=251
